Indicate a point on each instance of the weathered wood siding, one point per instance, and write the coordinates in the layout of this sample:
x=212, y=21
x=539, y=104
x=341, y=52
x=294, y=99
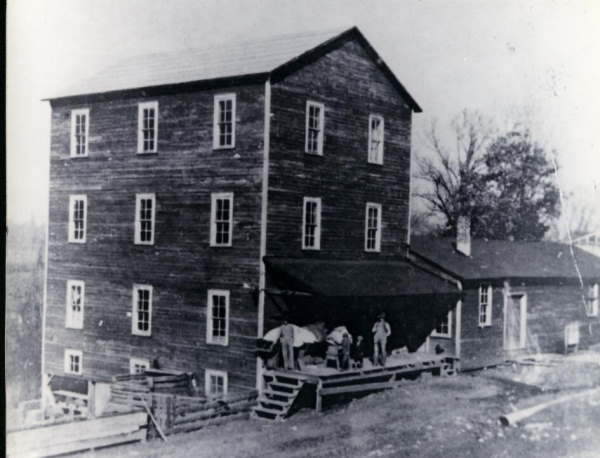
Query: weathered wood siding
x=351, y=87
x=181, y=265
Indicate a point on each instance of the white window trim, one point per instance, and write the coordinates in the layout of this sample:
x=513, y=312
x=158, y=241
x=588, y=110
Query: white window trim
x=138, y=361
x=213, y=218
x=138, y=226
x=317, y=245
x=140, y=135
x=67, y=362
x=71, y=236
x=377, y=248
x=379, y=159
x=447, y=335
x=594, y=301
x=134, y=311
x=209, y=318
x=321, y=136
x=74, y=114
x=219, y=98
x=208, y=373
x=488, y=314
x=70, y=321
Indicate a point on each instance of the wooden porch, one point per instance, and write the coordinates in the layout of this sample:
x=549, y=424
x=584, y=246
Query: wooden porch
x=286, y=391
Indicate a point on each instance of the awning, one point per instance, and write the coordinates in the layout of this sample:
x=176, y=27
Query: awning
x=352, y=293
x=336, y=278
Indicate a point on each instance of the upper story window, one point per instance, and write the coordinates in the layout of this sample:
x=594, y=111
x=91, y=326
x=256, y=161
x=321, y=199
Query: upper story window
x=311, y=223
x=75, y=302
x=141, y=319
x=138, y=365
x=147, y=127
x=315, y=123
x=73, y=362
x=485, y=305
x=373, y=227
x=444, y=327
x=376, y=129
x=215, y=383
x=224, y=121
x=145, y=209
x=221, y=219
x=80, y=127
x=77, y=218
x=217, y=317
x=593, y=300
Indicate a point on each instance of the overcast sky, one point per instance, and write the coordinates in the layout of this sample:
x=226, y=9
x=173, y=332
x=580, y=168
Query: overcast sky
x=503, y=58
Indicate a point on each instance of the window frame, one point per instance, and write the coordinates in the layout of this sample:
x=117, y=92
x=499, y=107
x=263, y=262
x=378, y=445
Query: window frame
x=138, y=222
x=443, y=335
x=321, y=133
x=67, y=361
x=214, y=197
x=73, y=144
x=133, y=361
x=317, y=235
x=378, y=234
x=140, y=131
x=210, y=338
x=231, y=96
x=134, y=310
x=489, y=291
x=70, y=321
x=71, y=225
x=207, y=382
x=380, y=150
x=593, y=300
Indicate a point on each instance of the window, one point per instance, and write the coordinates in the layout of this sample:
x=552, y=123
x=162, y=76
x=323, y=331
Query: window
x=77, y=218
x=145, y=208
x=141, y=319
x=80, y=127
x=376, y=127
x=373, y=227
x=221, y=219
x=592, y=300
x=311, y=224
x=215, y=383
x=217, y=317
x=444, y=327
x=485, y=305
x=73, y=362
x=315, y=120
x=75, y=301
x=147, y=127
x=138, y=365
x=224, y=121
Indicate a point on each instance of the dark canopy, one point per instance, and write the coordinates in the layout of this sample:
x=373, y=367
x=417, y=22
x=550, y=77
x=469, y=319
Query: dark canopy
x=353, y=293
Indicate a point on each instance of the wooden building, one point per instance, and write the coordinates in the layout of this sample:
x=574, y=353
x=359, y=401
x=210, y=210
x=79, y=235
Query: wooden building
x=173, y=177
x=517, y=298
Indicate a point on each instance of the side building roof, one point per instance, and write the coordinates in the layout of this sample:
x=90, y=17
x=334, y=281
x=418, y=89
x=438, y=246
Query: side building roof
x=268, y=57
x=499, y=259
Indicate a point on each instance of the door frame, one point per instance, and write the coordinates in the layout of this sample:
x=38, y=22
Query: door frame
x=521, y=297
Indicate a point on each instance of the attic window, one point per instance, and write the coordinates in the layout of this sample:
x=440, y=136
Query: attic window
x=315, y=120
x=376, y=129
x=80, y=127
x=224, y=121
x=147, y=127
x=592, y=300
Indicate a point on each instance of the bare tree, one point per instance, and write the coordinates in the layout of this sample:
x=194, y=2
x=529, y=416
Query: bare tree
x=453, y=179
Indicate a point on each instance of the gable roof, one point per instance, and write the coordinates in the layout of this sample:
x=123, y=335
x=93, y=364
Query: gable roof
x=499, y=259
x=274, y=56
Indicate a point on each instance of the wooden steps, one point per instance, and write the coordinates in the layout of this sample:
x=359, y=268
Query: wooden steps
x=277, y=399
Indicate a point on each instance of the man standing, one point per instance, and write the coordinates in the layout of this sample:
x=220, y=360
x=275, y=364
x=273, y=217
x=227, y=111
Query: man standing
x=286, y=338
x=381, y=331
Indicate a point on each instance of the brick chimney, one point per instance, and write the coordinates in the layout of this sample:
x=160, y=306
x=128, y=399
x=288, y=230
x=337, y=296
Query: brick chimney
x=463, y=235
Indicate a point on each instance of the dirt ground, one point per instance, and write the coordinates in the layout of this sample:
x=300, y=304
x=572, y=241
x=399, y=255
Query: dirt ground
x=429, y=417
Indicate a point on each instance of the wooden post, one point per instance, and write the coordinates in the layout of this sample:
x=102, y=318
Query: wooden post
x=91, y=403
x=319, y=403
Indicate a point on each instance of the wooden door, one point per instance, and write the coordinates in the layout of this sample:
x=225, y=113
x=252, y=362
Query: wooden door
x=516, y=322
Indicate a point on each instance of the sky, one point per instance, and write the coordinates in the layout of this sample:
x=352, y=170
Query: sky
x=509, y=59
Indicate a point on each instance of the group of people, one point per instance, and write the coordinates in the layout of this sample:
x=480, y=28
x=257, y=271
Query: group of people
x=350, y=353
